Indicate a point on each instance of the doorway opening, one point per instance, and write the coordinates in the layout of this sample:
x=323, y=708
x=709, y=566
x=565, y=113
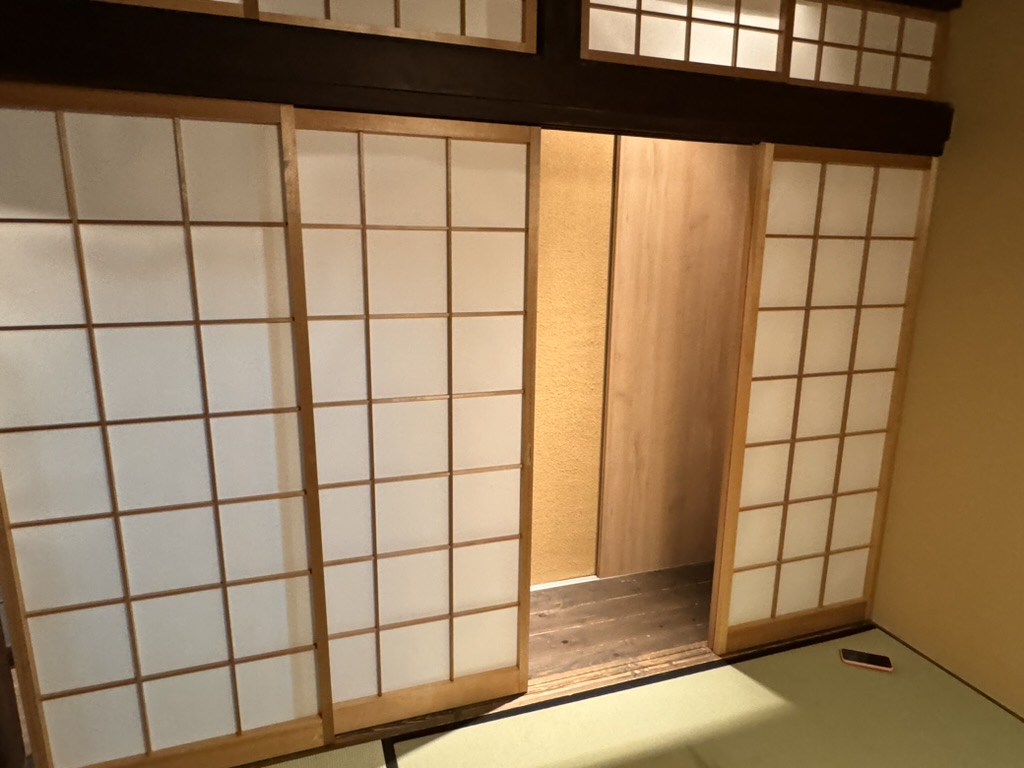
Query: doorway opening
x=628, y=476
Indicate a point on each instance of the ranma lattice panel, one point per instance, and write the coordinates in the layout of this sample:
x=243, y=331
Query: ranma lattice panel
x=829, y=337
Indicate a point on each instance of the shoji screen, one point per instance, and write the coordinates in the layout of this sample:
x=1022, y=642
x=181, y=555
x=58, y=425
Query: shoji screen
x=149, y=437
x=416, y=245
x=828, y=328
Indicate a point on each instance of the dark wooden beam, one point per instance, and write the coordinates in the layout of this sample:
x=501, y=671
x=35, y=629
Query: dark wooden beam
x=123, y=47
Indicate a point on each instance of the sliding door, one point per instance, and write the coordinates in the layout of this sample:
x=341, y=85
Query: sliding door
x=265, y=400
x=830, y=300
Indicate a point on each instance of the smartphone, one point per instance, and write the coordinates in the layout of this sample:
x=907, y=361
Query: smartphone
x=867, y=660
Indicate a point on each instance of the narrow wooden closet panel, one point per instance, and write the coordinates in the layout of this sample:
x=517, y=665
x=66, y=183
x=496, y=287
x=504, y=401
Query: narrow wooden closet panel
x=681, y=233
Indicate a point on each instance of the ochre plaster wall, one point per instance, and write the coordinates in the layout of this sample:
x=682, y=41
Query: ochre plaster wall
x=572, y=302
x=952, y=572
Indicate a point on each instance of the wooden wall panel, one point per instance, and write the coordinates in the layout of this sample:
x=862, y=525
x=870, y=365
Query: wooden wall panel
x=682, y=224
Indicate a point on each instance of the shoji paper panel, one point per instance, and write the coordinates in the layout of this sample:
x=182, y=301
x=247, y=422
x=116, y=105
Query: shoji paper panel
x=862, y=46
x=149, y=436
x=826, y=335
x=416, y=249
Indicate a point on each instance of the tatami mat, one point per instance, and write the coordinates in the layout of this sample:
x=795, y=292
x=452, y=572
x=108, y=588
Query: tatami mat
x=798, y=709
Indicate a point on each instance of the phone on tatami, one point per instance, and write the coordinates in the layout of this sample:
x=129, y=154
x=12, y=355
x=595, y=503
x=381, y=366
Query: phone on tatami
x=866, y=660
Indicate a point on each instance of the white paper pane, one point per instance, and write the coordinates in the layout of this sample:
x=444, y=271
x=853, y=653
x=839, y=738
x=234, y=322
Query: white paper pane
x=919, y=36
x=757, y=536
x=233, y=171
x=413, y=586
x=914, y=75
x=329, y=172
x=855, y=520
x=711, y=44
x=370, y=12
x=771, y=410
x=334, y=271
x=137, y=274
x=55, y=473
x=277, y=690
x=793, y=201
x=345, y=522
x=777, y=343
x=633, y=3
x=842, y=25
x=814, y=468
x=846, y=576
x=147, y=372
x=409, y=357
x=405, y=179
x=124, y=167
x=142, y=454
x=897, y=202
x=495, y=19
x=45, y=378
x=807, y=528
x=414, y=655
x=241, y=272
x=764, y=475
x=488, y=184
x=39, y=282
x=270, y=616
x=488, y=431
x=876, y=70
x=804, y=62
x=807, y=23
x=870, y=397
x=264, y=537
x=752, y=593
x=353, y=667
x=488, y=271
x=676, y=7
x=338, y=360
x=785, y=271
x=612, y=31
x=350, y=597
x=878, y=341
x=888, y=271
x=486, y=575
x=837, y=272
x=342, y=444
x=663, y=38
x=838, y=65
x=32, y=184
x=430, y=15
x=862, y=462
x=249, y=366
x=170, y=550
x=821, y=406
x=487, y=354
x=408, y=271
x=78, y=649
x=410, y=438
x=760, y=13
x=256, y=455
x=714, y=10
x=758, y=50
x=307, y=8
x=846, y=201
x=412, y=514
x=189, y=708
x=486, y=641
x=486, y=505
x=799, y=586
x=180, y=631
x=882, y=31
x=94, y=727
x=829, y=335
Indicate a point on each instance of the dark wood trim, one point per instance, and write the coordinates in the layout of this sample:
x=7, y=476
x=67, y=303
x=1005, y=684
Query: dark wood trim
x=101, y=45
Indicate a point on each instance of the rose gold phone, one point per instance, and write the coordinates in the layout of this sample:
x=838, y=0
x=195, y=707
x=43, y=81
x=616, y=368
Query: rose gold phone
x=866, y=660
